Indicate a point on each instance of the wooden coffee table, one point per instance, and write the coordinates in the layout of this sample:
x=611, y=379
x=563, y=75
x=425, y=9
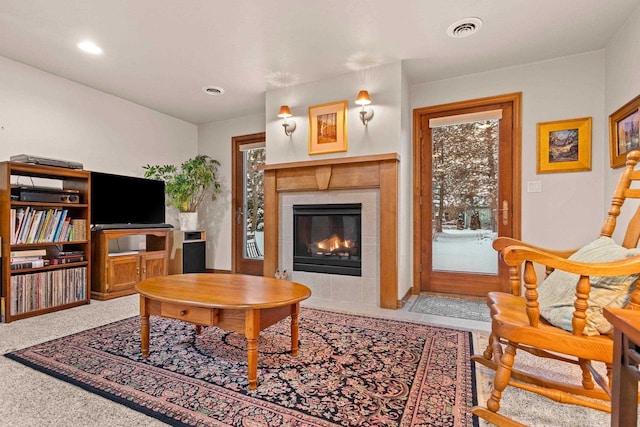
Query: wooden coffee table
x=243, y=304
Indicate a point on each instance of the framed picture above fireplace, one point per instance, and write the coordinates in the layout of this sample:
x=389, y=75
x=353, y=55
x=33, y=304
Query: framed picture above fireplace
x=328, y=128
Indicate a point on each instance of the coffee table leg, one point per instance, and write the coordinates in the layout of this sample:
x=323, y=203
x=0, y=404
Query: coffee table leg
x=252, y=332
x=295, y=311
x=144, y=330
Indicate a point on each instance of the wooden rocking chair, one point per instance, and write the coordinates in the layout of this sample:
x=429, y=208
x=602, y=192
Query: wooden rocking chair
x=517, y=323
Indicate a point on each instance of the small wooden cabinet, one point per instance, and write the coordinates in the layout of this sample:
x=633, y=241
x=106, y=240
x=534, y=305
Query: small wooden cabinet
x=116, y=273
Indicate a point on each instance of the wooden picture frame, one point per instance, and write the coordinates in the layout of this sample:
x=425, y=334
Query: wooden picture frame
x=623, y=132
x=328, y=128
x=564, y=145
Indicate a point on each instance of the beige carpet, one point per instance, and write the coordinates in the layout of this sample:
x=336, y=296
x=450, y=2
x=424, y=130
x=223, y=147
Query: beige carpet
x=532, y=409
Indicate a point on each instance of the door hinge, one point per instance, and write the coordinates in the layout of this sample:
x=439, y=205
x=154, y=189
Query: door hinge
x=420, y=133
x=420, y=200
x=420, y=267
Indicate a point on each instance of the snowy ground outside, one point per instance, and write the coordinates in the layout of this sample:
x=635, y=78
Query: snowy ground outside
x=465, y=251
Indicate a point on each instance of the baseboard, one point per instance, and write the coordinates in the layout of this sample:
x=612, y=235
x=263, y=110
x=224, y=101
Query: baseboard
x=215, y=270
x=405, y=299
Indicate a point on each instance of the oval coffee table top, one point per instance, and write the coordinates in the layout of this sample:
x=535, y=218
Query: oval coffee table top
x=223, y=290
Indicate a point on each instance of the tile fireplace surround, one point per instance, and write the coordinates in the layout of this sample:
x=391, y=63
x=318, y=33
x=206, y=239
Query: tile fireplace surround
x=333, y=181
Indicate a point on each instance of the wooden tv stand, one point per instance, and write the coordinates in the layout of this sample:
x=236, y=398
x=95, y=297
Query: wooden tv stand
x=114, y=274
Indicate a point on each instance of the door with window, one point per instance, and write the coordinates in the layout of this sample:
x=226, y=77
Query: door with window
x=248, y=203
x=468, y=193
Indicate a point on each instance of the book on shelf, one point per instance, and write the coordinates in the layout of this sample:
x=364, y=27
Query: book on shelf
x=66, y=259
x=28, y=262
x=79, y=229
x=21, y=214
x=37, y=291
x=38, y=222
x=28, y=253
x=58, y=227
x=45, y=230
x=27, y=222
x=45, y=225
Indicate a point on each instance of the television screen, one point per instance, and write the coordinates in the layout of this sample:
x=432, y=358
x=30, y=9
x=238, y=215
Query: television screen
x=119, y=200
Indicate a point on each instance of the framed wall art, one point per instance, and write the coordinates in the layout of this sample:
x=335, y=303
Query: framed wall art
x=564, y=145
x=328, y=128
x=623, y=132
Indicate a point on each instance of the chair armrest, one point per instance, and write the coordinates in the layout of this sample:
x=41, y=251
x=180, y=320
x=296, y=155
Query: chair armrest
x=517, y=254
x=503, y=242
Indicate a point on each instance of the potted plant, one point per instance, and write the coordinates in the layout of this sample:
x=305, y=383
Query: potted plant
x=187, y=186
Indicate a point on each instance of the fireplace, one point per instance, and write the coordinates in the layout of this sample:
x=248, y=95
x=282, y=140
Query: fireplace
x=327, y=238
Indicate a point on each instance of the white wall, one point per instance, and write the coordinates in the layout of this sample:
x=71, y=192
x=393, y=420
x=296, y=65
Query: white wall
x=622, y=84
x=387, y=132
x=45, y=115
x=214, y=139
x=567, y=213
x=382, y=135
x=405, y=219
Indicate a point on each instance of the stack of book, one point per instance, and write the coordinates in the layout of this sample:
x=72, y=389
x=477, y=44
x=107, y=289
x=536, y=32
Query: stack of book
x=33, y=258
x=29, y=225
x=65, y=257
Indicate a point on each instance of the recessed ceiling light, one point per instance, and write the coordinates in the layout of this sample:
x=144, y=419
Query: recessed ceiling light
x=213, y=90
x=464, y=27
x=90, y=47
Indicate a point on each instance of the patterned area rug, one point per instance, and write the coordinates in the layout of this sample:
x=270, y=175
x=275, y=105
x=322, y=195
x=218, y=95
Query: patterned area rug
x=451, y=307
x=350, y=371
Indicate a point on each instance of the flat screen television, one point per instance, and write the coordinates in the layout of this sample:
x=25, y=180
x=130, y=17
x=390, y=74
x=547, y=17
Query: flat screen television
x=119, y=201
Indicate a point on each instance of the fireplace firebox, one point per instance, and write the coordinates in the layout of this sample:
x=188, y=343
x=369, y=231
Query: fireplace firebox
x=326, y=238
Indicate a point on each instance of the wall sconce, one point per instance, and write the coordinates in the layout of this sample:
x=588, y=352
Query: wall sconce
x=363, y=99
x=285, y=113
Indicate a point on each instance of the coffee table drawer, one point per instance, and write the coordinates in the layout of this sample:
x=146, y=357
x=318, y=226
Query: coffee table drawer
x=197, y=315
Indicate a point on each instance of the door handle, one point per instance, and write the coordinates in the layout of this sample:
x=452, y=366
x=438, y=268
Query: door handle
x=505, y=212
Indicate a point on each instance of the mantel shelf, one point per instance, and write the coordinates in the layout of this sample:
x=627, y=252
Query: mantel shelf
x=330, y=162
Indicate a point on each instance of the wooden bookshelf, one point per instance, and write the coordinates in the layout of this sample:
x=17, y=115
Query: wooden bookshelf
x=32, y=291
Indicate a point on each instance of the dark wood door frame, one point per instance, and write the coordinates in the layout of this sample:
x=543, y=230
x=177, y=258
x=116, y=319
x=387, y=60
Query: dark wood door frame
x=419, y=161
x=238, y=264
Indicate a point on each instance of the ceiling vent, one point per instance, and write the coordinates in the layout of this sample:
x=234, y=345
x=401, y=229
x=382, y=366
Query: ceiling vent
x=464, y=27
x=213, y=90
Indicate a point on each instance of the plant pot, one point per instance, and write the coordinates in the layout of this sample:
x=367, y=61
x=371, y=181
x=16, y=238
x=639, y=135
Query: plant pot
x=188, y=221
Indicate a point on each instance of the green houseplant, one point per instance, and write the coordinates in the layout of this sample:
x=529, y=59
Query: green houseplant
x=188, y=186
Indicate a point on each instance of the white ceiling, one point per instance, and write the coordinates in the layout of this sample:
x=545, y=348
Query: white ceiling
x=160, y=53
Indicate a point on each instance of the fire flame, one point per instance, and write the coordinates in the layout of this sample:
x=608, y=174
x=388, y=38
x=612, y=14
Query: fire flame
x=333, y=243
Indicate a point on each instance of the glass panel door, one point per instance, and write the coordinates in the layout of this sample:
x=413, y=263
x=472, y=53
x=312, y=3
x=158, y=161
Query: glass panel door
x=465, y=196
x=253, y=203
x=248, y=204
x=469, y=181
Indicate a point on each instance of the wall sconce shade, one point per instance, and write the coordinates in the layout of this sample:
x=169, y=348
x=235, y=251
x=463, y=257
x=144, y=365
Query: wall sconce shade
x=363, y=99
x=285, y=113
